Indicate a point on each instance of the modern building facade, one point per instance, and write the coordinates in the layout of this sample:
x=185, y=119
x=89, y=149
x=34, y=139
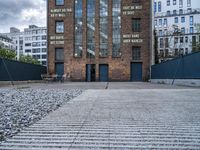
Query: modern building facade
x=175, y=23
x=32, y=41
x=6, y=42
x=100, y=40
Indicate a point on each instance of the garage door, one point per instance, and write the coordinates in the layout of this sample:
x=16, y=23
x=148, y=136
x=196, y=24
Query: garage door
x=136, y=71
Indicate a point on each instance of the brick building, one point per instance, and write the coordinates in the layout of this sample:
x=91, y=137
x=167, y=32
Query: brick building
x=100, y=40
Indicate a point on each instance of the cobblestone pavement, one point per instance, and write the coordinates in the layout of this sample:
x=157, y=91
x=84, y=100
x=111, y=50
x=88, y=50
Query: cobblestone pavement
x=121, y=119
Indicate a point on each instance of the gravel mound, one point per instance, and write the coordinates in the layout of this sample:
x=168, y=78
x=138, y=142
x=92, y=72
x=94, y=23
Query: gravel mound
x=22, y=107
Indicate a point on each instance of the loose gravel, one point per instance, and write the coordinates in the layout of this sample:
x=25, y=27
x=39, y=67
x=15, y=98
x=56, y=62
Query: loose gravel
x=22, y=107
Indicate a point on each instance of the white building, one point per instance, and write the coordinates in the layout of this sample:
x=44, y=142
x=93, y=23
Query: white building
x=175, y=25
x=32, y=41
x=6, y=42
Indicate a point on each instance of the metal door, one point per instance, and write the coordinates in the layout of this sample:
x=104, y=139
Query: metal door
x=59, y=69
x=103, y=72
x=88, y=72
x=136, y=71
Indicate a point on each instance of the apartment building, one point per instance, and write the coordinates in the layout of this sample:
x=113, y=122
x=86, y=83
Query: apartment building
x=102, y=40
x=6, y=42
x=32, y=41
x=176, y=27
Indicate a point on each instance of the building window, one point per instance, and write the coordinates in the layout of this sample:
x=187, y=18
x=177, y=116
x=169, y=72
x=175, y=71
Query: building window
x=180, y=11
x=166, y=42
x=174, y=12
x=155, y=7
x=183, y=30
x=27, y=50
x=36, y=57
x=159, y=6
x=136, y=24
x=180, y=3
x=168, y=2
x=27, y=44
x=175, y=40
x=182, y=19
x=191, y=30
x=161, y=43
x=91, y=28
x=37, y=50
x=188, y=3
x=136, y=1
x=165, y=22
x=103, y=28
x=44, y=37
x=186, y=51
x=176, y=20
x=155, y=22
x=174, y=2
x=78, y=48
x=136, y=53
x=116, y=34
x=160, y=22
x=181, y=39
x=59, y=54
x=191, y=20
x=168, y=12
x=44, y=50
x=186, y=39
x=59, y=2
x=59, y=26
x=160, y=33
x=44, y=56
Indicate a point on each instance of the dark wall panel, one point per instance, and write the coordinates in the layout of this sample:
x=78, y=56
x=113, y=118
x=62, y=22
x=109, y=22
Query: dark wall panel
x=19, y=71
x=186, y=67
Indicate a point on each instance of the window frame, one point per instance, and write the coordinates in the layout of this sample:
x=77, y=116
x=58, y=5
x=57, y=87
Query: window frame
x=56, y=21
x=59, y=4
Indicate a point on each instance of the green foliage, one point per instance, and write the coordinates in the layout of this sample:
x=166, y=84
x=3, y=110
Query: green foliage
x=8, y=54
x=197, y=27
x=195, y=43
x=28, y=59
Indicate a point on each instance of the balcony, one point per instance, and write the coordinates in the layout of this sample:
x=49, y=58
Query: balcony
x=182, y=13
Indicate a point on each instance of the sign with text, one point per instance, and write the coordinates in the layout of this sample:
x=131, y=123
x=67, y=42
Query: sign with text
x=60, y=12
x=132, y=38
x=130, y=10
x=56, y=40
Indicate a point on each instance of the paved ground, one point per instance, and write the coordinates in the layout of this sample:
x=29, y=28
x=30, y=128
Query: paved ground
x=119, y=116
x=97, y=85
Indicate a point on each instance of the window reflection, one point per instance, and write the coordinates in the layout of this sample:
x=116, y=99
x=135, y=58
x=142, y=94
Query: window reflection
x=78, y=28
x=116, y=12
x=90, y=28
x=103, y=28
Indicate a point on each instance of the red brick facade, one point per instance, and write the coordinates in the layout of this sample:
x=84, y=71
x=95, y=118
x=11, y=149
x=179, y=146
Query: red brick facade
x=119, y=68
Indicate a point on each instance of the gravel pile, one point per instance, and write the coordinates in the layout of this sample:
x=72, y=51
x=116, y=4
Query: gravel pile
x=22, y=107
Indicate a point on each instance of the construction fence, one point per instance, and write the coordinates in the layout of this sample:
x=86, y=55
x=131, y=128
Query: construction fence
x=11, y=70
x=185, y=67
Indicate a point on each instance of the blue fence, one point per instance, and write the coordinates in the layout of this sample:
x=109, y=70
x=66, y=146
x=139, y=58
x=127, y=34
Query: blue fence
x=186, y=67
x=11, y=70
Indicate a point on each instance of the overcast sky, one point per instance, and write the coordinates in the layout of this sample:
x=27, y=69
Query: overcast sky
x=21, y=13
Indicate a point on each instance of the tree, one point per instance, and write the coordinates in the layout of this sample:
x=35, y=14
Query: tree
x=195, y=43
x=28, y=59
x=8, y=54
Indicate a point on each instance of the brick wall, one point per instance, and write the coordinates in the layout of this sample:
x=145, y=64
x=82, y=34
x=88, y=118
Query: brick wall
x=119, y=68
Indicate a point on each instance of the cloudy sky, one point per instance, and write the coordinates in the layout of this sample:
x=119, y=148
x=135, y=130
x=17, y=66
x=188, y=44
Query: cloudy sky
x=21, y=13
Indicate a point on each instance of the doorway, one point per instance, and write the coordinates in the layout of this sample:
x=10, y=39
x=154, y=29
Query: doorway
x=136, y=71
x=90, y=72
x=103, y=72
